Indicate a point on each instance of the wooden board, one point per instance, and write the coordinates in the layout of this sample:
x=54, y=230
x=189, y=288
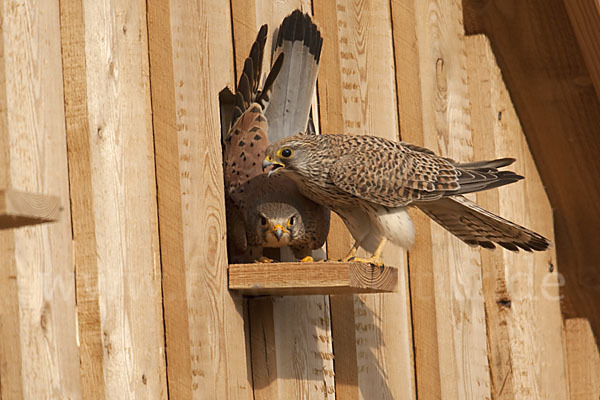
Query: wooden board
x=39, y=355
x=297, y=278
x=19, y=208
x=192, y=56
x=521, y=294
x=553, y=92
x=583, y=360
x=450, y=302
x=357, y=96
x=115, y=229
x=302, y=358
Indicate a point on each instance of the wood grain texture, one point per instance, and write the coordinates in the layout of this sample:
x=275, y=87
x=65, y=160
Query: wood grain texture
x=19, y=208
x=202, y=59
x=357, y=83
x=39, y=357
x=456, y=272
x=263, y=348
x=111, y=159
x=585, y=21
x=559, y=108
x=303, y=363
x=420, y=257
x=303, y=278
x=583, y=360
x=166, y=148
x=521, y=294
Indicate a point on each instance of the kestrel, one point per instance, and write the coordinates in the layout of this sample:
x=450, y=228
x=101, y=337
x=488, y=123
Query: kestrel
x=265, y=212
x=370, y=181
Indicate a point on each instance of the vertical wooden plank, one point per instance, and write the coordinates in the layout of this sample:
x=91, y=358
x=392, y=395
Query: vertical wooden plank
x=39, y=356
x=420, y=257
x=357, y=84
x=583, y=360
x=111, y=162
x=521, y=294
x=301, y=362
x=202, y=65
x=166, y=147
x=459, y=311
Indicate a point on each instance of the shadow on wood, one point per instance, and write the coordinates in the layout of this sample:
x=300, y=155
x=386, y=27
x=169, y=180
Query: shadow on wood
x=20, y=208
x=544, y=67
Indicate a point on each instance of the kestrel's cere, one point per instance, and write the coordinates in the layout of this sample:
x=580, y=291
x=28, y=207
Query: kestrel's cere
x=265, y=212
x=370, y=181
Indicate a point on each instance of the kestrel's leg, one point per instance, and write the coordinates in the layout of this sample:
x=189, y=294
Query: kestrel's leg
x=375, y=258
x=264, y=259
x=352, y=252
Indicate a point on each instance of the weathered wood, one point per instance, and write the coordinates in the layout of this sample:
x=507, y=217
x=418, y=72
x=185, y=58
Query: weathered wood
x=39, y=356
x=551, y=88
x=111, y=163
x=19, y=208
x=583, y=360
x=304, y=278
x=422, y=287
x=459, y=317
x=585, y=21
x=521, y=294
x=263, y=348
x=166, y=142
x=191, y=54
x=357, y=96
x=303, y=360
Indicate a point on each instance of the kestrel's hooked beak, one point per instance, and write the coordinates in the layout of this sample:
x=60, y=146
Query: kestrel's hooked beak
x=278, y=230
x=268, y=161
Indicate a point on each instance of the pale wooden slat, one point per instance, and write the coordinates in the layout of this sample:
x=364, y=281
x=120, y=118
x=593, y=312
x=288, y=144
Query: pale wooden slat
x=166, y=149
x=263, y=348
x=111, y=162
x=459, y=312
x=83, y=222
x=312, y=377
x=202, y=62
x=298, y=278
x=19, y=208
x=357, y=83
x=522, y=299
x=422, y=286
x=583, y=360
x=39, y=357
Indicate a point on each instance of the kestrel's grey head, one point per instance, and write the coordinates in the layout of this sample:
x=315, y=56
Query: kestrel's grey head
x=277, y=224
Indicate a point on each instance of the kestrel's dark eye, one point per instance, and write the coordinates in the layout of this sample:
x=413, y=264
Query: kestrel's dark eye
x=286, y=153
x=292, y=221
x=263, y=221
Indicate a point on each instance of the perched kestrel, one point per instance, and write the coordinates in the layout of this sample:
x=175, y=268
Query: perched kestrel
x=261, y=211
x=370, y=181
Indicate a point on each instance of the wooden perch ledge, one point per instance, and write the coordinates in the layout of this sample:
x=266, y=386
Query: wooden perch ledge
x=297, y=278
x=20, y=208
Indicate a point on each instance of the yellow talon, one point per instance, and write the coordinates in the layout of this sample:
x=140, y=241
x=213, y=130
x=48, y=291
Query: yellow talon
x=308, y=259
x=264, y=259
x=352, y=252
x=371, y=260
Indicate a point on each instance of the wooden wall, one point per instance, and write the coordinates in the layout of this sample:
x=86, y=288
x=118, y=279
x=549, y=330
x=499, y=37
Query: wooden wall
x=113, y=107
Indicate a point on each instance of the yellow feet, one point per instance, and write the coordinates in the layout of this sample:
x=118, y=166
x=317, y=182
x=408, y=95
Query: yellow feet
x=308, y=259
x=264, y=259
x=371, y=260
x=352, y=252
x=375, y=259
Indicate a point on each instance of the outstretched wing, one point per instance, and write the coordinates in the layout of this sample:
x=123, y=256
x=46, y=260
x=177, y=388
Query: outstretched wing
x=300, y=41
x=395, y=175
x=476, y=226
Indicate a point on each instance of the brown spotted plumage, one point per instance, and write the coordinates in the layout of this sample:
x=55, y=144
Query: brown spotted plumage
x=369, y=181
x=263, y=211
